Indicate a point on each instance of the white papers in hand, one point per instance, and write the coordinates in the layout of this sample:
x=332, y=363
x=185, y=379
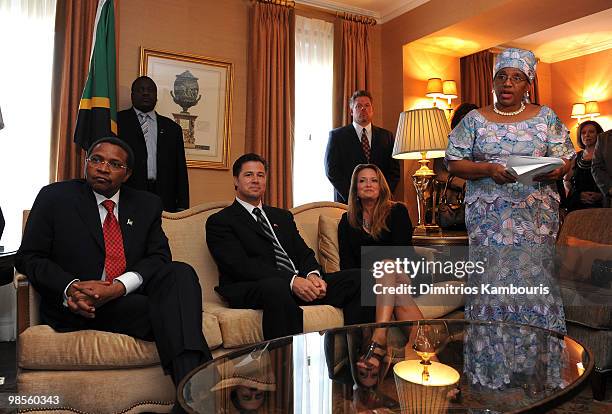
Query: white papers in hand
x=524, y=168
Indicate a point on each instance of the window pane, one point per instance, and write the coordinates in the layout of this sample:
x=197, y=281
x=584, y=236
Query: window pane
x=26, y=42
x=314, y=44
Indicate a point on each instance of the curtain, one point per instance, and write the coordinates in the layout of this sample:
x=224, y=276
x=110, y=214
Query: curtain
x=352, y=63
x=270, y=96
x=26, y=42
x=477, y=78
x=314, y=55
x=74, y=23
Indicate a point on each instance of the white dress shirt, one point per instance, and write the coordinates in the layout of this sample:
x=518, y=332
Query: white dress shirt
x=131, y=280
x=151, y=142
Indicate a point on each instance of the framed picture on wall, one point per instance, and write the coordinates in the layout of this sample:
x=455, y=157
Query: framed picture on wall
x=196, y=92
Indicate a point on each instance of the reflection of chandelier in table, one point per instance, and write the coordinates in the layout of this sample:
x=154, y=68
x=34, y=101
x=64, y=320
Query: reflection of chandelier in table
x=186, y=94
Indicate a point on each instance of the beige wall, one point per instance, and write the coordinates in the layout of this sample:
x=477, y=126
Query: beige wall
x=213, y=29
x=582, y=79
x=200, y=27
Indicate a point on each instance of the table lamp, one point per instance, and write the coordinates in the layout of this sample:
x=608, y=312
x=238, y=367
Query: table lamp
x=422, y=134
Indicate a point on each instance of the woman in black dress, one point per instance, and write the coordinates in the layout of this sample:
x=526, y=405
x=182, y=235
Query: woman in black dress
x=582, y=190
x=373, y=219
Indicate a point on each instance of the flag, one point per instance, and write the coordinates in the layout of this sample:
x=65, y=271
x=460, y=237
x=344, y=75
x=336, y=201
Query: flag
x=97, y=116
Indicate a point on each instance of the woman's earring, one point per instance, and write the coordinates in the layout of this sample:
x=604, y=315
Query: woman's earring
x=527, y=97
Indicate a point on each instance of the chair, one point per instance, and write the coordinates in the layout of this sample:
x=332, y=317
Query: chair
x=584, y=237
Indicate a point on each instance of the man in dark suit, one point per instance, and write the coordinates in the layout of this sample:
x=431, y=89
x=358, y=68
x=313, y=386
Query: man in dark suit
x=359, y=143
x=157, y=143
x=93, y=271
x=265, y=264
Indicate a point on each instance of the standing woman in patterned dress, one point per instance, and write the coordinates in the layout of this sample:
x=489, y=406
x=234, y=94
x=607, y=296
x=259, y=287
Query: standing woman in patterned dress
x=513, y=226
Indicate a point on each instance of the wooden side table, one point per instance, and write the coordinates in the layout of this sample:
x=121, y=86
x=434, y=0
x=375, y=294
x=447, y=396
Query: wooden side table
x=441, y=238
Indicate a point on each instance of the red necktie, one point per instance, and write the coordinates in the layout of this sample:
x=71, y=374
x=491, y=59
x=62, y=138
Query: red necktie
x=114, y=263
x=365, y=145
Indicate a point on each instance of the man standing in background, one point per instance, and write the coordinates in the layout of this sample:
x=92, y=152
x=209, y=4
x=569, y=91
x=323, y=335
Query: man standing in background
x=157, y=142
x=359, y=143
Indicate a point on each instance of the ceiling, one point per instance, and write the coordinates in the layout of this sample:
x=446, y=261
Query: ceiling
x=381, y=10
x=566, y=41
x=560, y=40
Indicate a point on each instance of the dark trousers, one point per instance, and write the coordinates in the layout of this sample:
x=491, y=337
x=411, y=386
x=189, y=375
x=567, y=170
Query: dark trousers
x=167, y=310
x=282, y=314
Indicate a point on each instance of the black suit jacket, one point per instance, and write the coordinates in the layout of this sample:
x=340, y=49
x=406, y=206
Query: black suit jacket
x=63, y=241
x=172, y=180
x=344, y=153
x=244, y=253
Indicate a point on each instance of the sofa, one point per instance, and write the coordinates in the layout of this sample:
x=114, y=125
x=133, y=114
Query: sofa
x=583, y=239
x=95, y=371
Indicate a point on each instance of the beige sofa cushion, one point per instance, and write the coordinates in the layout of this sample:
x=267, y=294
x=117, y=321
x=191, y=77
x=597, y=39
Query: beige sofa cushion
x=40, y=347
x=241, y=327
x=187, y=237
x=307, y=220
x=329, y=256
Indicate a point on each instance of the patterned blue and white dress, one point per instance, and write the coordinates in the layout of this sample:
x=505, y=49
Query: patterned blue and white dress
x=513, y=228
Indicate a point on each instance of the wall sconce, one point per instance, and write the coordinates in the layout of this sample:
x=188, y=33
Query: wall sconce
x=578, y=111
x=434, y=89
x=581, y=110
x=449, y=89
x=592, y=109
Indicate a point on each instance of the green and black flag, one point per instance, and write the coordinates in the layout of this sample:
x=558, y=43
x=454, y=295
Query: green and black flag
x=98, y=107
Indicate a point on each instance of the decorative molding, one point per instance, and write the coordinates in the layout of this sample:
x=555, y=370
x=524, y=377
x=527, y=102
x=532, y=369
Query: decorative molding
x=388, y=14
x=586, y=49
x=391, y=14
x=339, y=7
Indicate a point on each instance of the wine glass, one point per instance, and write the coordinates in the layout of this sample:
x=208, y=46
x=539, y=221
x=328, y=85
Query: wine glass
x=431, y=338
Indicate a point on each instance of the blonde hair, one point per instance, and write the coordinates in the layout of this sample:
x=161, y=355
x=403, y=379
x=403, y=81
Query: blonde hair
x=382, y=206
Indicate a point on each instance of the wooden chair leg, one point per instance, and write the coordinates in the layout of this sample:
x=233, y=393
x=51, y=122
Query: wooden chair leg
x=598, y=385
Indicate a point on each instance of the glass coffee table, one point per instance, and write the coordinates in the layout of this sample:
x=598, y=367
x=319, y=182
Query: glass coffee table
x=436, y=366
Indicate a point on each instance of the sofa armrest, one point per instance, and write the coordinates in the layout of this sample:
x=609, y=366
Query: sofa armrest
x=27, y=303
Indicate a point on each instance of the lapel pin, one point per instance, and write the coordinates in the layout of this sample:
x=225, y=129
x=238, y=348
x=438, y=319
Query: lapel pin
x=129, y=222
x=274, y=225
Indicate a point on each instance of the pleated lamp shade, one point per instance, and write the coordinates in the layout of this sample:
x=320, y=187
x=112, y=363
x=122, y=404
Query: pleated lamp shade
x=421, y=130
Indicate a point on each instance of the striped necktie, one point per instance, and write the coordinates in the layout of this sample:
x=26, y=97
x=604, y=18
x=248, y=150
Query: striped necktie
x=144, y=123
x=282, y=260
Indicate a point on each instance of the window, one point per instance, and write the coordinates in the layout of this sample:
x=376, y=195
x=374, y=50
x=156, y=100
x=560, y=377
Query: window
x=314, y=44
x=26, y=42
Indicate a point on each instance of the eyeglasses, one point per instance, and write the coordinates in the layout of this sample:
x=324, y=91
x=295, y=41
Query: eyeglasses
x=502, y=78
x=112, y=165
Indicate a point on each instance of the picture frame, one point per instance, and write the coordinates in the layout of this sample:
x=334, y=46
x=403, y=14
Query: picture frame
x=196, y=92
